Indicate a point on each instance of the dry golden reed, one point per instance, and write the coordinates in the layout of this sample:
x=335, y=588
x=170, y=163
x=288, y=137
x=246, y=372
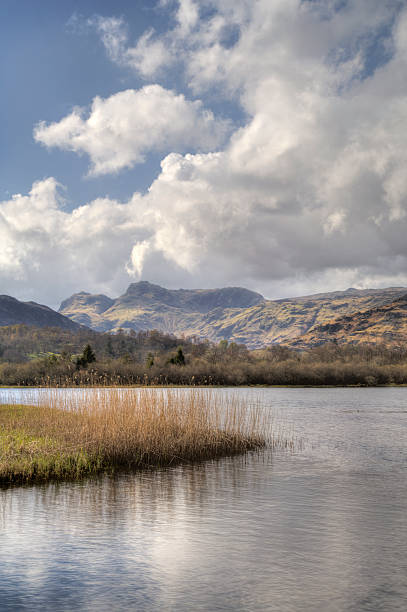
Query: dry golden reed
x=75, y=433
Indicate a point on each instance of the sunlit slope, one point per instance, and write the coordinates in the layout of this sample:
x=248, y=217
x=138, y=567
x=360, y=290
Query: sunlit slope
x=282, y=321
x=385, y=324
x=234, y=313
x=148, y=306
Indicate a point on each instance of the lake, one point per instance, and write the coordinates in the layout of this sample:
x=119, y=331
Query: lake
x=322, y=527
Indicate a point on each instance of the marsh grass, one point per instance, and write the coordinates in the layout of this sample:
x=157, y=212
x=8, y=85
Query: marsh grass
x=71, y=435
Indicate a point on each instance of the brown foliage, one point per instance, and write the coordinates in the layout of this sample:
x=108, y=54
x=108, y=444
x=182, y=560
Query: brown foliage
x=148, y=358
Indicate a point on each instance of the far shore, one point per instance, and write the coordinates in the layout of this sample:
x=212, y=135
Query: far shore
x=169, y=386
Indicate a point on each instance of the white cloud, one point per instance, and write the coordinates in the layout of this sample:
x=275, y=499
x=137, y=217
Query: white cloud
x=312, y=186
x=151, y=53
x=309, y=194
x=137, y=257
x=148, y=56
x=51, y=252
x=121, y=129
x=187, y=16
x=113, y=34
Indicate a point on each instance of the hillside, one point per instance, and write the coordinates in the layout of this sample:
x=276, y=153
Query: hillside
x=385, y=324
x=233, y=313
x=14, y=312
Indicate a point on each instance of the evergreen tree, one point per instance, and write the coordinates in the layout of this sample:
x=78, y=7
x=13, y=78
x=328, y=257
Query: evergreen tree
x=88, y=356
x=179, y=358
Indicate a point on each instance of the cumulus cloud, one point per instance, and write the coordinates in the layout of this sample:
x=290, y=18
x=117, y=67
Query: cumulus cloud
x=313, y=185
x=309, y=194
x=149, y=55
x=152, y=52
x=48, y=252
x=118, y=131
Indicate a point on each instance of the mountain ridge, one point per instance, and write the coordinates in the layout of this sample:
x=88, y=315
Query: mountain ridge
x=386, y=324
x=14, y=312
x=232, y=313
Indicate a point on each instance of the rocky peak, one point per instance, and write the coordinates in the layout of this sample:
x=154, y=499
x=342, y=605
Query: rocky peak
x=97, y=303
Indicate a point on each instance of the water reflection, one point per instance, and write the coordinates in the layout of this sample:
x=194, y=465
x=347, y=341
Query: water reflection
x=133, y=533
x=323, y=528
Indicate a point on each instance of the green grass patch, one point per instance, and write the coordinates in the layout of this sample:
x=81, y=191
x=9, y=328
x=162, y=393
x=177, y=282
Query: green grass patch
x=27, y=455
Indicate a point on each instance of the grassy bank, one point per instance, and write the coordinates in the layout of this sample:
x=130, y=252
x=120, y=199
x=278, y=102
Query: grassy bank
x=71, y=436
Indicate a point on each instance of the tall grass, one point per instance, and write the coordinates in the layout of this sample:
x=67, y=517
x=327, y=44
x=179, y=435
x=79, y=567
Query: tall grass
x=69, y=435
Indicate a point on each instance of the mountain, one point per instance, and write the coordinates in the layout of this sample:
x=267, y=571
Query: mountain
x=13, y=312
x=148, y=306
x=84, y=307
x=231, y=313
x=385, y=324
x=282, y=321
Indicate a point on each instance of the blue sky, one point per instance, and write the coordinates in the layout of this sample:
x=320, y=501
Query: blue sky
x=53, y=62
x=202, y=144
x=48, y=67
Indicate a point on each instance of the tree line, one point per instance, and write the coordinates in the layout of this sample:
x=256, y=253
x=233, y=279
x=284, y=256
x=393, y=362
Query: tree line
x=40, y=356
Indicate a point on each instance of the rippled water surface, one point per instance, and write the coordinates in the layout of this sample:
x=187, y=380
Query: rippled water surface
x=321, y=528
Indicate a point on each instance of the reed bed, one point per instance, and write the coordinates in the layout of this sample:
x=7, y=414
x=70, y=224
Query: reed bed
x=71, y=435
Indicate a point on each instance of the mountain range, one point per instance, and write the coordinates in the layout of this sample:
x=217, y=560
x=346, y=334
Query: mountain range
x=244, y=316
x=231, y=313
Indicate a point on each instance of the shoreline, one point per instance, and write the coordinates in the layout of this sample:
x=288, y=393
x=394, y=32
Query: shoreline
x=169, y=386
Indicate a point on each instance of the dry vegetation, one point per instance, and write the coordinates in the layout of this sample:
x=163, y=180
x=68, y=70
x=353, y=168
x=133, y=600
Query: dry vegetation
x=52, y=357
x=71, y=435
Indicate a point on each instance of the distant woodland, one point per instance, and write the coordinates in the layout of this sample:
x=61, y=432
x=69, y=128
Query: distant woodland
x=32, y=356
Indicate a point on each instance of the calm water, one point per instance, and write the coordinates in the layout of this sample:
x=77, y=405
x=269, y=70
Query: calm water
x=322, y=528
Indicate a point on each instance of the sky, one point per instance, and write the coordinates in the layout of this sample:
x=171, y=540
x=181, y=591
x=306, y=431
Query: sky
x=201, y=144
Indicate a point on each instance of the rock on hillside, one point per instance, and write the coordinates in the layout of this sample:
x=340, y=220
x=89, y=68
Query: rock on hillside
x=86, y=307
